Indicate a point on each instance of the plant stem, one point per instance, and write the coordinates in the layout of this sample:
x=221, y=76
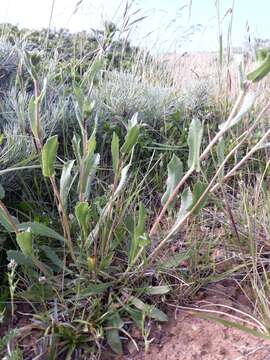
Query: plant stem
x=63, y=216
x=211, y=188
x=202, y=157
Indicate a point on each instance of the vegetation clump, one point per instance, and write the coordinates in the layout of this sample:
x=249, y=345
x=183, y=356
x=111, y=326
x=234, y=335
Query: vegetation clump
x=116, y=191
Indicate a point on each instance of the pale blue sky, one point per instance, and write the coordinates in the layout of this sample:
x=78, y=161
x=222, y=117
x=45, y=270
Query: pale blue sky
x=168, y=25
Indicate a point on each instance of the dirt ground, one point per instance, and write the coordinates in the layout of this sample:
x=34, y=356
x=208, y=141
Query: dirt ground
x=190, y=338
x=187, y=337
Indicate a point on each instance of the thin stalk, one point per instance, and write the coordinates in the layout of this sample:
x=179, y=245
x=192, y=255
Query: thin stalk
x=202, y=157
x=241, y=162
x=63, y=216
x=211, y=188
x=85, y=150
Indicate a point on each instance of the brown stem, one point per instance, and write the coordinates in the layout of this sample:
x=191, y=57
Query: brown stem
x=202, y=157
x=211, y=187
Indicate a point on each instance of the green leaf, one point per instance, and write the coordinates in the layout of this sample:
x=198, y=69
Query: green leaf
x=186, y=201
x=158, y=315
x=261, y=54
x=93, y=71
x=20, y=258
x=82, y=211
x=66, y=182
x=51, y=255
x=79, y=101
x=198, y=190
x=76, y=146
x=95, y=289
x=2, y=192
x=90, y=166
x=194, y=142
x=29, y=65
x=262, y=69
x=106, y=261
x=91, y=145
x=2, y=137
x=137, y=234
x=174, y=261
x=112, y=335
x=48, y=155
x=25, y=242
x=115, y=152
x=4, y=220
x=41, y=230
x=131, y=136
x=155, y=290
x=246, y=105
x=136, y=315
x=149, y=310
x=88, y=107
x=38, y=292
x=175, y=173
x=123, y=179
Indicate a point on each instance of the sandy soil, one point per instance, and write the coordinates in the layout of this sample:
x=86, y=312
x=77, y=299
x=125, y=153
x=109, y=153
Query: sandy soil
x=187, y=337
x=191, y=338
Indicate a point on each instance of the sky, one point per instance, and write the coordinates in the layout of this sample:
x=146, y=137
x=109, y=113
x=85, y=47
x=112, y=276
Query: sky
x=170, y=25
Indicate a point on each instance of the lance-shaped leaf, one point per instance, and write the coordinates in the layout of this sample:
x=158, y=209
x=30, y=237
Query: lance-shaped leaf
x=263, y=66
x=51, y=254
x=198, y=191
x=175, y=173
x=194, y=142
x=114, y=324
x=41, y=230
x=78, y=103
x=155, y=290
x=132, y=135
x=27, y=57
x=186, y=201
x=138, y=232
x=246, y=105
x=123, y=179
x=76, y=146
x=2, y=192
x=25, y=242
x=48, y=155
x=32, y=117
x=82, y=214
x=93, y=71
x=90, y=167
x=107, y=207
x=149, y=310
x=5, y=221
x=115, y=152
x=133, y=121
x=66, y=182
x=261, y=54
